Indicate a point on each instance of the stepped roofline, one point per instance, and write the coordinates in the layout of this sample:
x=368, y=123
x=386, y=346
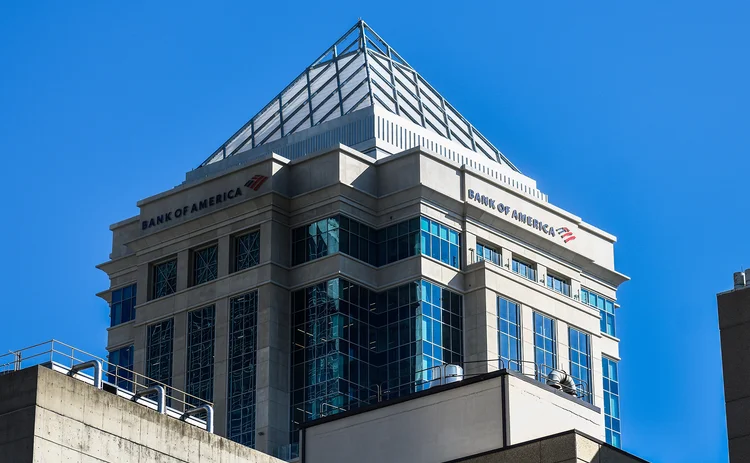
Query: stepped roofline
x=358, y=70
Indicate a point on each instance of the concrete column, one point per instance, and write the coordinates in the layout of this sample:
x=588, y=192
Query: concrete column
x=183, y=269
x=143, y=288
x=272, y=371
x=541, y=274
x=563, y=344
x=179, y=353
x=490, y=332
x=139, y=350
x=475, y=335
x=507, y=258
x=275, y=243
x=469, y=250
x=527, y=339
x=575, y=289
x=224, y=257
x=221, y=346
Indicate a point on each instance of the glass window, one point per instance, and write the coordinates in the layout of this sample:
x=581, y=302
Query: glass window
x=606, y=309
x=524, y=269
x=315, y=240
x=242, y=361
x=509, y=333
x=122, y=307
x=164, y=278
x=545, y=347
x=487, y=253
x=611, y=391
x=246, y=251
x=580, y=362
x=159, y=352
x=200, y=355
x=120, y=368
x=205, y=267
x=444, y=243
x=561, y=285
x=400, y=241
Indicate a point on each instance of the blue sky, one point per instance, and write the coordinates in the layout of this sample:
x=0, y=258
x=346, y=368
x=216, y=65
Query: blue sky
x=632, y=115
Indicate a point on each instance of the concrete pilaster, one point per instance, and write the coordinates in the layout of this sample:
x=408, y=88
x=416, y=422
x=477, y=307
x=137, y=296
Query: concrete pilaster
x=220, y=366
x=183, y=269
x=272, y=371
x=179, y=353
x=224, y=257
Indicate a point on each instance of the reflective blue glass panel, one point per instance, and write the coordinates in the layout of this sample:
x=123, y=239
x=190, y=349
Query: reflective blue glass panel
x=122, y=307
x=121, y=368
x=580, y=362
x=200, y=355
x=611, y=390
x=545, y=347
x=242, y=360
x=509, y=333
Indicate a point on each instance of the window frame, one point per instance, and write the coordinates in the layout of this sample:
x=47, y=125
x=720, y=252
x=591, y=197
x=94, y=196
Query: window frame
x=588, y=390
x=496, y=251
x=543, y=371
x=518, y=337
x=235, y=243
x=553, y=277
x=515, y=264
x=194, y=253
x=132, y=298
x=153, y=270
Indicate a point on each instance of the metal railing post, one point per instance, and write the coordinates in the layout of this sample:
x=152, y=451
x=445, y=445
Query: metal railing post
x=95, y=364
x=161, y=403
x=209, y=415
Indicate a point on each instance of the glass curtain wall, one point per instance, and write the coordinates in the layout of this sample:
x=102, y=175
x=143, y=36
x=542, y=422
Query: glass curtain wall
x=242, y=361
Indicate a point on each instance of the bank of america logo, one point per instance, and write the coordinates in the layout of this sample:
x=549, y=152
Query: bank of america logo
x=565, y=234
x=256, y=182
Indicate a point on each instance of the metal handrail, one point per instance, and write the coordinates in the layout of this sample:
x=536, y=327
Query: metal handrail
x=197, y=410
x=95, y=364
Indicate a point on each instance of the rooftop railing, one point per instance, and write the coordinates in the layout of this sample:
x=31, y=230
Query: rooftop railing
x=112, y=378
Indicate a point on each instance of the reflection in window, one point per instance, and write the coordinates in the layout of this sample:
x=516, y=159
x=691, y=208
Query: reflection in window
x=122, y=308
x=399, y=241
x=558, y=284
x=200, y=355
x=611, y=402
x=509, y=333
x=164, y=278
x=121, y=368
x=524, y=269
x=488, y=254
x=246, y=251
x=242, y=360
x=440, y=242
x=315, y=240
x=159, y=352
x=545, y=349
x=205, y=266
x=606, y=309
x=580, y=362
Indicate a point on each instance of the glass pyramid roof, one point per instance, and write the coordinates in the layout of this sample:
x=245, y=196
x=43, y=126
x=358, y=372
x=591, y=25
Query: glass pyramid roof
x=357, y=71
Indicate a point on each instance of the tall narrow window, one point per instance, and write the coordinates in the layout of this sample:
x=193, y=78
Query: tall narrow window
x=611, y=402
x=159, y=351
x=487, y=253
x=524, y=269
x=121, y=368
x=561, y=285
x=246, y=251
x=440, y=242
x=122, y=308
x=545, y=349
x=509, y=333
x=580, y=362
x=243, y=319
x=200, y=355
x=205, y=265
x=606, y=309
x=399, y=241
x=164, y=278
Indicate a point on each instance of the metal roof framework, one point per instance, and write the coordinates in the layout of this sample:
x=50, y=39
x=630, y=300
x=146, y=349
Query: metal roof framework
x=357, y=71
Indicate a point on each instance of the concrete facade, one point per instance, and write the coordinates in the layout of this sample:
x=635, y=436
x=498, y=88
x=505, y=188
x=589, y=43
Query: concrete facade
x=47, y=417
x=734, y=325
x=449, y=422
x=392, y=168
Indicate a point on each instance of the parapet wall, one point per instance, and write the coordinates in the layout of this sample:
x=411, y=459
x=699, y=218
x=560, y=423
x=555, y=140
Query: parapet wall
x=46, y=416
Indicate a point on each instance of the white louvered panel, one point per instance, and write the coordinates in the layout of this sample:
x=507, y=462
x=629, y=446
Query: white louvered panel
x=352, y=99
x=405, y=77
x=434, y=122
x=458, y=121
x=320, y=74
x=379, y=89
x=291, y=121
x=350, y=65
x=409, y=113
x=265, y=116
x=409, y=98
x=483, y=147
x=272, y=126
x=294, y=91
x=381, y=67
x=323, y=93
x=458, y=135
x=238, y=141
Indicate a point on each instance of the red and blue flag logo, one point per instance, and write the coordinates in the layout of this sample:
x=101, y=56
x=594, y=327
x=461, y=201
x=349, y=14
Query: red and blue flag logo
x=256, y=182
x=565, y=234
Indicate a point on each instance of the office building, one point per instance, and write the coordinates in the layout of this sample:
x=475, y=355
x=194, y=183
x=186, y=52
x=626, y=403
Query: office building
x=351, y=245
x=734, y=326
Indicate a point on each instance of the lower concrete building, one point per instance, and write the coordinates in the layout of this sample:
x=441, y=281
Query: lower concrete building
x=734, y=325
x=49, y=417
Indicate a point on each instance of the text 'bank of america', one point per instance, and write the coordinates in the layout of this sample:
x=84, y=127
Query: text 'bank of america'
x=356, y=247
